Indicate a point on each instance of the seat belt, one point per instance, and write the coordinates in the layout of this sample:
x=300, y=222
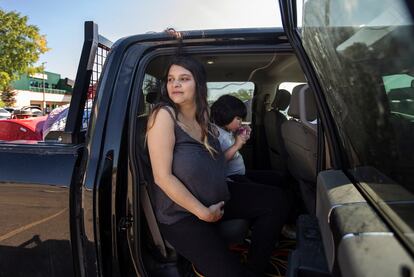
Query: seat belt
x=146, y=204
x=152, y=222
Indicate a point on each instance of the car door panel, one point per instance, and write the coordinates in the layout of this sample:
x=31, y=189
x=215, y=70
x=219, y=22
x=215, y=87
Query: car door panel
x=356, y=240
x=333, y=190
x=34, y=209
x=362, y=206
x=373, y=254
x=41, y=201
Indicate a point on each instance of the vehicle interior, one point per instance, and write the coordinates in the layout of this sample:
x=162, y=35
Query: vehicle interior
x=284, y=139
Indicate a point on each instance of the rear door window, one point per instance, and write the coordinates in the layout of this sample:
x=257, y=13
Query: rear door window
x=289, y=87
x=242, y=90
x=31, y=125
x=360, y=53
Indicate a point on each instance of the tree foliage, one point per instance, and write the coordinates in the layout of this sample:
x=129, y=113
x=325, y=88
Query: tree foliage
x=243, y=94
x=8, y=96
x=20, y=47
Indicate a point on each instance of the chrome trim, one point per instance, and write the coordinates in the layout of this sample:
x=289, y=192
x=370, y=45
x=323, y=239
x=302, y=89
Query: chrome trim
x=352, y=235
x=340, y=205
x=331, y=210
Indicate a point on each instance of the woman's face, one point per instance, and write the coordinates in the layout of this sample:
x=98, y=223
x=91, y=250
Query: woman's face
x=181, y=85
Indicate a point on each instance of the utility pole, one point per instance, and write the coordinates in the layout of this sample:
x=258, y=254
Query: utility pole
x=44, y=89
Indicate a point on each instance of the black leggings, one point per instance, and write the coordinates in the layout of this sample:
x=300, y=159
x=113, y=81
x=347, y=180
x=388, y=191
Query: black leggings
x=266, y=177
x=200, y=242
x=275, y=178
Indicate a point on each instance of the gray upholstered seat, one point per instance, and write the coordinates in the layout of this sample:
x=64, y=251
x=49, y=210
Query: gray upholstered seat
x=273, y=120
x=300, y=136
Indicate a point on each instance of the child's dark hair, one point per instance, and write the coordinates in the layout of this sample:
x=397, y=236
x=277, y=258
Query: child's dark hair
x=226, y=108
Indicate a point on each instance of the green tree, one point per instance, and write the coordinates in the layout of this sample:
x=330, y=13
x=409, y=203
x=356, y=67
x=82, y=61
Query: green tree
x=20, y=47
x=243, y=94
x=8, y=96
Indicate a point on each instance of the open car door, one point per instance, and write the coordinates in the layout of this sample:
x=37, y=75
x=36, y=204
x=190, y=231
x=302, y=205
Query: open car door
x=40, y=180
x=358, y=59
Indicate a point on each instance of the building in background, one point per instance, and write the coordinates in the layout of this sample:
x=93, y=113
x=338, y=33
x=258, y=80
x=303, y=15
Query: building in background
x=43, y=89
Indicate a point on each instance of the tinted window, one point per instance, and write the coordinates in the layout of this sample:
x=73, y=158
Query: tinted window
x=30, y=124
x=151, y=90
x=400, y=94
x=289, y=86
x=242, y=90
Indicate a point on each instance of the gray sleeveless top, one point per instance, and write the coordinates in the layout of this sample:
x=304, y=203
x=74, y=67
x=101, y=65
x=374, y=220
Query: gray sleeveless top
x=203, y=175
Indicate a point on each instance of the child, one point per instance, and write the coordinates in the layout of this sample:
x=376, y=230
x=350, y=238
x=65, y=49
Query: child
x=227, y=113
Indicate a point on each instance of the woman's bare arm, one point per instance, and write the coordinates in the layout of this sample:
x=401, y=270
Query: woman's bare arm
x=161, y=140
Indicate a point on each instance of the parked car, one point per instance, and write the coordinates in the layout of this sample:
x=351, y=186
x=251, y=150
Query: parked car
x=29, y=129
x=9, y=109
x=35, y=110
x=26, y=112
x=4, y=114
x=79, y=204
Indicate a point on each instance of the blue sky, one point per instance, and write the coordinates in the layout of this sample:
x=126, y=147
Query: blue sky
x=62, y=21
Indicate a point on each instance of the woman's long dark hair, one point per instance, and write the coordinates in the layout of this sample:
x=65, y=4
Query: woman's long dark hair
x=200, y=78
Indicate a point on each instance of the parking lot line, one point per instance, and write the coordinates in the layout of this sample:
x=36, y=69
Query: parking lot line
x=28, y=226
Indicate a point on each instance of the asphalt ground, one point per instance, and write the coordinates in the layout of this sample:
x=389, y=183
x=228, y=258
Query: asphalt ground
x=34, y=231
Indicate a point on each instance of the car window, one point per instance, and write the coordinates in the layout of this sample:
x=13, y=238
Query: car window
x=400, y=94
x=289, y=87
x=396, y=81
x=242, y=90
x=30, y=124
x=360, y=52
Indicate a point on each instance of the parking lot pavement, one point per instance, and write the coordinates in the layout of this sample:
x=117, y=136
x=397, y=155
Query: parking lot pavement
x=34, y=230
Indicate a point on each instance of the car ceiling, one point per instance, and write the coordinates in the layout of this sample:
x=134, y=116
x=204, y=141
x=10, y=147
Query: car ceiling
x=267, y=68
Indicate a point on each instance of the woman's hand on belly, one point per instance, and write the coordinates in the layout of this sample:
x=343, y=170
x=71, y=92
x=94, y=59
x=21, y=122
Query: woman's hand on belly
x=213, y=213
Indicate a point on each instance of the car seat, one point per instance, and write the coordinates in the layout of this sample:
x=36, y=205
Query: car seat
x=300, y=137
x=273, y=120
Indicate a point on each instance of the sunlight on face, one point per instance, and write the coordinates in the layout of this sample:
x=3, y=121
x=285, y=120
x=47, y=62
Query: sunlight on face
x=181, y=85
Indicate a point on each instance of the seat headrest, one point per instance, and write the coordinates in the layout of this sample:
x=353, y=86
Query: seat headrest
x=294, y=109
x=152, y=97
x=282, y=100
x=259, y=105
x=308, y=107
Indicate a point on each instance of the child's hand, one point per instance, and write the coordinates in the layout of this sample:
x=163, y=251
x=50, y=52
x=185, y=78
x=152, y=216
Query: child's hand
x=245, y=131
x=240, y=140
